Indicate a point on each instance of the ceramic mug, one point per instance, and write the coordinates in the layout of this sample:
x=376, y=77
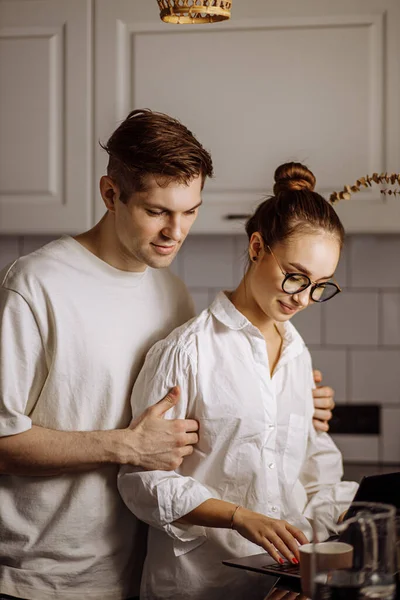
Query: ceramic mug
x=329, y=556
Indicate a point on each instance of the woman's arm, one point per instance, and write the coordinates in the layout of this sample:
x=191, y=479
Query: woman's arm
x=322, y=471
x=159, y=497
x=179, y=505
x=273, y=535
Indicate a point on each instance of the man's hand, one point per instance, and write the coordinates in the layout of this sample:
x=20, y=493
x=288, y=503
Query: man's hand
x=323, y=403
x=150, y=442
x=155, y=443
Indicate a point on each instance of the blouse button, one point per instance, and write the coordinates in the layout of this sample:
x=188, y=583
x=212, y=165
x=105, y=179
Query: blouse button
x=271, y=466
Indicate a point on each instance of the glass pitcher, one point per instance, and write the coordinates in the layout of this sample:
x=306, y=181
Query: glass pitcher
x=369, y=528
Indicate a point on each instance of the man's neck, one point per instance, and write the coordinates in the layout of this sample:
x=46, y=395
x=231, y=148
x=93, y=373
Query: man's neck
x=103, y=243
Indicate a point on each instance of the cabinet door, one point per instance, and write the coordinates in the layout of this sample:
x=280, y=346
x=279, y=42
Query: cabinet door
x=45, y=116
x=308, y=80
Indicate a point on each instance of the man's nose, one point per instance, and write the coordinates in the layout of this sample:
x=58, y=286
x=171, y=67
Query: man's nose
x=173, y=230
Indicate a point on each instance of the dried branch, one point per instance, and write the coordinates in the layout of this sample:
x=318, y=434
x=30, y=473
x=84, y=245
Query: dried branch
x=367, y=181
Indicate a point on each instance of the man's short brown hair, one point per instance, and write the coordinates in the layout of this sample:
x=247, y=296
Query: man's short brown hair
x=152, y=143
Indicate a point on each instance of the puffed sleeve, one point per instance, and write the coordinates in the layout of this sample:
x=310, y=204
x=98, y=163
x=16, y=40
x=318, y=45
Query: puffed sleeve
x=161, y=497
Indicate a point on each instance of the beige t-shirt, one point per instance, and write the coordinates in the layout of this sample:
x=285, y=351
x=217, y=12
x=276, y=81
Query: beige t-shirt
x=74, y=334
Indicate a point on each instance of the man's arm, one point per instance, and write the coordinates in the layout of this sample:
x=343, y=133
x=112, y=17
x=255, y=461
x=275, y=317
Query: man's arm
x=150, y=442
x=323, y=403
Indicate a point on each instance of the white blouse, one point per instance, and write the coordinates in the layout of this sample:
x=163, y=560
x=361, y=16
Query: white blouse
x=256, y=443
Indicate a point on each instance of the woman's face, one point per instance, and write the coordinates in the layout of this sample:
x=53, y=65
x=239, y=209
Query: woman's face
x=313, y=254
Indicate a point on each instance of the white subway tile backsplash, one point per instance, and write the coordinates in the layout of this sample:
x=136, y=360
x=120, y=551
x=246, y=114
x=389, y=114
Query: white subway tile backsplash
x=355, y=472
x=375, y=376
x=333, y=365
x=352, y=318
x=212, y=293
x=30, y=243
x=9, y=250
x=391, y=318
x=208, y=261
x=358, y=448
x=176, y=265
x=241, y=244
x=375, y=261
x=342, y=271
x=200, y=299
x=309, y=324
x=354, y=339
x=390, y=441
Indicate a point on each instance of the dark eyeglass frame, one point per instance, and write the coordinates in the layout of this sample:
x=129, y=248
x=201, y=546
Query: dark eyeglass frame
x=314, y=284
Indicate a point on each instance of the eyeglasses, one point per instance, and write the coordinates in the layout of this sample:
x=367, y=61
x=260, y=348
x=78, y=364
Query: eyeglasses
x=295, y=283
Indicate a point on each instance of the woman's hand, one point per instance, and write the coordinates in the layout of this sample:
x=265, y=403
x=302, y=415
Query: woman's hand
x=275, y=536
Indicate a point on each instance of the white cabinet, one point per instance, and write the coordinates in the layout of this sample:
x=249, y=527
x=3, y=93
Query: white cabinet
x=46, y=137
x=296, y=80
x=309, y=80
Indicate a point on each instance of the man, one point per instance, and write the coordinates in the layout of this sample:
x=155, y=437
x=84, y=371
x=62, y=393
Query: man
x=77, y=318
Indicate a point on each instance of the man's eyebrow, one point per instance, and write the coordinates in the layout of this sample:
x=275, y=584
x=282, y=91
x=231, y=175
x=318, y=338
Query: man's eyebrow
x=164, y=208
x=306, y=271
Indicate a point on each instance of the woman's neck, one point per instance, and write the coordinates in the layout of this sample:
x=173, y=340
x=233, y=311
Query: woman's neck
x=244, y=303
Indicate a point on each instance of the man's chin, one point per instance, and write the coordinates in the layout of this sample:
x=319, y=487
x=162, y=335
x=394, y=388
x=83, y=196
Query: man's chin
x=159, y=262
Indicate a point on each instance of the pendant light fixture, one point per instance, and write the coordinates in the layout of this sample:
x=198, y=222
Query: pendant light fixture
x=194, y=12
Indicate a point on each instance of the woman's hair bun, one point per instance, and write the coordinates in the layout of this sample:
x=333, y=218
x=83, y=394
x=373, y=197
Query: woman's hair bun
x=293, y=176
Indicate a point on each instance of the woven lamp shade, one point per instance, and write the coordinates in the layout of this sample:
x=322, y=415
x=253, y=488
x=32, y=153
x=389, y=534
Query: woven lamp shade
x=194, y=11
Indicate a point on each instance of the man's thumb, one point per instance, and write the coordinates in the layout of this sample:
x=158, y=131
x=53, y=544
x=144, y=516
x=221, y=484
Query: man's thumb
x=317, y=376
x=170, y=400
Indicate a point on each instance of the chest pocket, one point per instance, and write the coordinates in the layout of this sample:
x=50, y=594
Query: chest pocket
x=295, y=450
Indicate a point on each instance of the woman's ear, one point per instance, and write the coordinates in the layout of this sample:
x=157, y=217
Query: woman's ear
x=256, y=246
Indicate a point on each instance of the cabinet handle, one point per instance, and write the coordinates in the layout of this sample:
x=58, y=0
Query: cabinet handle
x=237, y=216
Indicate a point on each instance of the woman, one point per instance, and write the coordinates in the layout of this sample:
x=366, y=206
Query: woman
x=245, y=374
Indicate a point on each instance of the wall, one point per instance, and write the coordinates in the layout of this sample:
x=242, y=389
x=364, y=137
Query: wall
x=354, y=339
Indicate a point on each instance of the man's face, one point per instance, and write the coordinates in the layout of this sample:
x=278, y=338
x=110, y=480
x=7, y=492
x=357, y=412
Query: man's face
x=151, y=227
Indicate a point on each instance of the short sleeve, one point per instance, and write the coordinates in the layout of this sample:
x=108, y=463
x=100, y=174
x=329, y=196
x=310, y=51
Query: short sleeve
x=22, y=363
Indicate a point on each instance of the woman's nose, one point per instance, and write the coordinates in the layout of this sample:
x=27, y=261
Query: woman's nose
x=303, y=298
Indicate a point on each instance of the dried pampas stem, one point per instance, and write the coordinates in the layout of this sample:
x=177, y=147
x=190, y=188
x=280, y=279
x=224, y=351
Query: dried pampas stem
x=367, y=181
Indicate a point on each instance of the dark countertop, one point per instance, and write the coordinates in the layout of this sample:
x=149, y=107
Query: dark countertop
x=285, y=588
